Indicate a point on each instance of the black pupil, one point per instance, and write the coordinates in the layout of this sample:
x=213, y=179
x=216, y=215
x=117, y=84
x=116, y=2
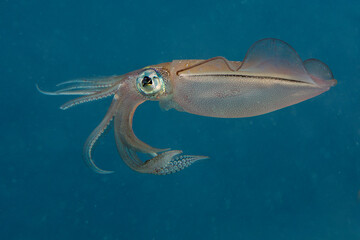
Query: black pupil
x=146, y=81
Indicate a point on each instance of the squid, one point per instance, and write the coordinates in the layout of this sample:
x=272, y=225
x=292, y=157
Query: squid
x=271, y=76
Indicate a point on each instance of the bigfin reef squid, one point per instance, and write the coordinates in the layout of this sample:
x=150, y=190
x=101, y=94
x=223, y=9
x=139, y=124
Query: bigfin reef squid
x=271, y=76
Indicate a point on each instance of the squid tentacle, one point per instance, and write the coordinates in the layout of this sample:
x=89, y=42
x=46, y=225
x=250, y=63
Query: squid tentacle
x=126, y=152
x=96, y=134
x=83, y=86
x=94, y=81
x=77, y=87
x=121, y=110
x=93, y=90
x=123, y=125
x=92, y=97
x=59, y=92
x=91, y=93
x=162, y=164
x=169, y=162
x=128, y=145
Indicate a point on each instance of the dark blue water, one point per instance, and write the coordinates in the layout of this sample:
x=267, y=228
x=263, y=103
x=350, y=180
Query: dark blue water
x=291, y=174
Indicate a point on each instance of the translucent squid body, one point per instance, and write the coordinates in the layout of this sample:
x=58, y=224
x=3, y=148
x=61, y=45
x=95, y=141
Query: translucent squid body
x=272, y=76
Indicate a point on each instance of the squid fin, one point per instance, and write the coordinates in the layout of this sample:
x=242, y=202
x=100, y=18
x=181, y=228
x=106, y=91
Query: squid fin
x=275, y=58
x=319, y=72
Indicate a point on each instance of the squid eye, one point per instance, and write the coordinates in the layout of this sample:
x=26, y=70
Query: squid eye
x=146, y=81
x=150, y=83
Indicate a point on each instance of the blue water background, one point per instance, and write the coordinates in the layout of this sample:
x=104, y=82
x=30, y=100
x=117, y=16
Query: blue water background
x=291, y=174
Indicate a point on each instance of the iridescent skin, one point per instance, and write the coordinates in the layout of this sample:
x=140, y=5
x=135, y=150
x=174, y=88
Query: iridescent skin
x=271, y=77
